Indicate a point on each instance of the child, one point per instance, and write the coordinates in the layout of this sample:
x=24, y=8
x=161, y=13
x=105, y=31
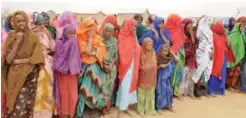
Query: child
x=164, y=91
x=147, y=79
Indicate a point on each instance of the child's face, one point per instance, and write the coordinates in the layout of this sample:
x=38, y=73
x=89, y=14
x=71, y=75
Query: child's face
x=70, y=34
x=165, y=51
x=149, y=46
x=108, y=33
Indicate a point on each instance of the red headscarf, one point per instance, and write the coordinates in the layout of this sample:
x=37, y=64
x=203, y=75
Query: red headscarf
x=128, y=50
x=112, y=20
x=174, y=26
x=220, y=48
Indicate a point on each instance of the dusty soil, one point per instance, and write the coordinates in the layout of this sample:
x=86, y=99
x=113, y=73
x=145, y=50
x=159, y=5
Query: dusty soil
x=232, y=105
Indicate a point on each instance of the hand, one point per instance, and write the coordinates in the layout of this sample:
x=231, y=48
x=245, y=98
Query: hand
x=92, y=32
x=19, y=36
x=228, y=44
x=163, y=65
x=107, y=68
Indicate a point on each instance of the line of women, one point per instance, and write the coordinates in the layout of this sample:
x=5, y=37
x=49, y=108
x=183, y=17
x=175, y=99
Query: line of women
x=68, y=68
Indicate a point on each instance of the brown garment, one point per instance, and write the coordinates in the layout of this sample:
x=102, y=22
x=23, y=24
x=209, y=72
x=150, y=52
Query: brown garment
x=14, y=75
x=148, y=66
x=26, y=99
x=233, y=76
x=164, y=59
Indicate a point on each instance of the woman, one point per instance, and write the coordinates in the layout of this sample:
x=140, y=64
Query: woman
x=112, y=20
x=48, y=26
x=237, y=41
x=92, y=53
x=110, y=63
x=158, y=34
x=174, y=27
x=187, y=85
x=204, y=51
x=44, y=104
x=66, y=18
x=147, y=79
x=216, y=83
x=128, y=68
x=232, y=22
x=164, y=90
x=67, y=68
x=22, y=58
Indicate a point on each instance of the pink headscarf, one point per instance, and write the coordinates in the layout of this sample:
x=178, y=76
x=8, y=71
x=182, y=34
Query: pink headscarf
x=67, y=18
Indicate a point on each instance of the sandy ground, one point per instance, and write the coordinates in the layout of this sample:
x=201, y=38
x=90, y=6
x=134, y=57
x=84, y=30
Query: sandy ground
x=232, y=105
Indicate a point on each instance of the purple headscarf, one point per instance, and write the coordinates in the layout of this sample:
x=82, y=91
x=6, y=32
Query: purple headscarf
x=67, y=56
x=66, y=59
x=230, y=24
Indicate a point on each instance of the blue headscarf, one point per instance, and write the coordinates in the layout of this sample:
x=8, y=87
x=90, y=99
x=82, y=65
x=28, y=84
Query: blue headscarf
x=156, y=43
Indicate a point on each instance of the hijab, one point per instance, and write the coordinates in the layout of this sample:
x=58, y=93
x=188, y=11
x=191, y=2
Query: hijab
x=164, y=59
x=231, y=25
x=112, y=20
x=128, y=50
x=7, y=24
x=67, y=18
x=14, y=79
x=110, y=43
x=49, y=27
x=219, y=37
x=148, y=66
x=174, y=27
x=237, y=41
x=97, y=43
x=67, y=56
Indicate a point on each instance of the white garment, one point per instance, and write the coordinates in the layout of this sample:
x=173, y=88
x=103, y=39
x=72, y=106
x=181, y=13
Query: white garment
x=204, y=51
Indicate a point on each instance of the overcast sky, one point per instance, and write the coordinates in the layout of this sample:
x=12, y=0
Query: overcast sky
x=182, y=7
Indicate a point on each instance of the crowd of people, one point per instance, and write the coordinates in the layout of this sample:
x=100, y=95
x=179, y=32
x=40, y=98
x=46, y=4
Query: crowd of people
x=58, y=67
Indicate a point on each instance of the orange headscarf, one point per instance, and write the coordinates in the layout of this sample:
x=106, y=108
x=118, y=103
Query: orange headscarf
x=97, y=44
x=129, y=50
x=112, y=20
x=174, y=26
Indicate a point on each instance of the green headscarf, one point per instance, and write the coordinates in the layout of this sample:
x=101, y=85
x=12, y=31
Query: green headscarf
x=111, y=44
x=237, y=40
x=39, y=19
x=141, y=30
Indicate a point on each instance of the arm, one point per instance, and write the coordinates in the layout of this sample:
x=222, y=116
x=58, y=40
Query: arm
x=10, y=56
x=21, y=61
x=174, y=56
x=163, y=37
x=51, y=41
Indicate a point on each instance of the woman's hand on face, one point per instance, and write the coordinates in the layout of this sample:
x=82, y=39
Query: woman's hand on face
x=19, y=36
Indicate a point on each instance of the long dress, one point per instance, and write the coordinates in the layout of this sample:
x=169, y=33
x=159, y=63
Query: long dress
x=164, y=90
x=216, y=85
x=44, y=104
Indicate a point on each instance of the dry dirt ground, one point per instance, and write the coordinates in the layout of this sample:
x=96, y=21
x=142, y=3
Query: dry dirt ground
x=232, y=105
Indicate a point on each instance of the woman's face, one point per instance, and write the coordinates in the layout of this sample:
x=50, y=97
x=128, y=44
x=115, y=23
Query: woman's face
x=165, y=51
x=21, y=22
x=41, y=25
x=108, y=32
x=71, y=34
x=242, y=28
x=140, y=20
x=46, y=22
x=161, y=25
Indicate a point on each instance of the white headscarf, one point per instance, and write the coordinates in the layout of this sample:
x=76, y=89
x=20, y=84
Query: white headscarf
x=205, y=48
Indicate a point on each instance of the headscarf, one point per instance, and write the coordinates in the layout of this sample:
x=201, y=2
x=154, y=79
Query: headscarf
x=174, y=27
x=14, y=79
x=242, y=20
x=111, y=45
x=164, y=59
x=219, y=37
x=83, y=36
x=67, y=18
x=237, y=41
x=49, y=27
x=128, y=51
x=230, y=23
x=148, y=66
x=112, y=20
x=190, y=48
x=7, y=24
x=67, y=56
x=156, y=43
